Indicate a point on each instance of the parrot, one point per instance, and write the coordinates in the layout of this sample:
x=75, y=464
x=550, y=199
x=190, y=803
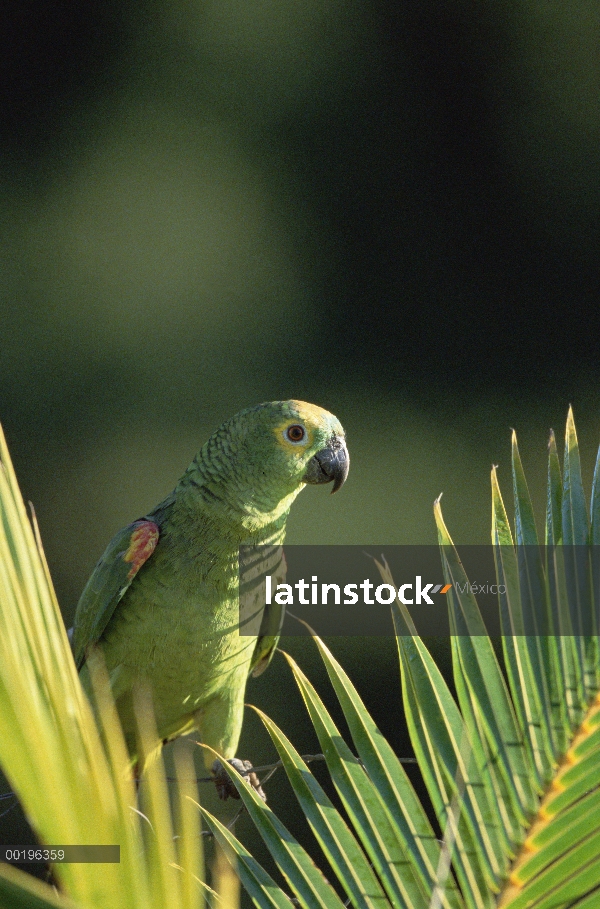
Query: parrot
x=162, y=604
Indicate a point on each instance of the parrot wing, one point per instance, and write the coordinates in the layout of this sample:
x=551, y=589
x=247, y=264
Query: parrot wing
x=112, y=576
x=272, y=620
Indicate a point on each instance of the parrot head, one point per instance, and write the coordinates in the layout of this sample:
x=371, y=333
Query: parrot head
x=309, y=444
x=264, y=456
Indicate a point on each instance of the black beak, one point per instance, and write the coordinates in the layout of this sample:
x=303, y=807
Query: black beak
x=329, y=464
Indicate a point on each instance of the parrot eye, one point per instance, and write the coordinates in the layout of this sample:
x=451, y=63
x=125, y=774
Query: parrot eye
x=295, y=433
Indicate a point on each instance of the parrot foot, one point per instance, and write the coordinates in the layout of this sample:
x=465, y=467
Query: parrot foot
x=224, y=784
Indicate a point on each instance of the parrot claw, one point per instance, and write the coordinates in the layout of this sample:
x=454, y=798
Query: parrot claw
x=224, y=783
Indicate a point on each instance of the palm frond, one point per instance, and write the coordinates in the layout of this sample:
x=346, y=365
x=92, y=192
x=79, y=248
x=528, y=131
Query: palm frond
x=71, y=777
x=512, y=766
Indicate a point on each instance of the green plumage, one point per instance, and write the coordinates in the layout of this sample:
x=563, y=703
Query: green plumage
x=163, y=600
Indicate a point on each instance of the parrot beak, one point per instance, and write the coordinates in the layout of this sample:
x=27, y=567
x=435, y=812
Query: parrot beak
x=329, y=464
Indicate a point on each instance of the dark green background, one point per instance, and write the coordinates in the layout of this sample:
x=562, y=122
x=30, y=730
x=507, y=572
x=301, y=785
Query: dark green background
x=389, y=209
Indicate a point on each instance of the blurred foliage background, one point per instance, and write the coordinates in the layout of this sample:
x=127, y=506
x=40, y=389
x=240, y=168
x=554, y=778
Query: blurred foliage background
x=387, y=208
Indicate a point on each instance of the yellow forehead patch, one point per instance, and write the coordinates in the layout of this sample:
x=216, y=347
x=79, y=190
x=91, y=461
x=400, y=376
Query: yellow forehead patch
x=311, y=413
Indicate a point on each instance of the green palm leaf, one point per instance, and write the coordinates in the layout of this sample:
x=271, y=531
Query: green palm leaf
x=342, y=850
x=306, y=881
x=363, y=803
x=513, y=765
x=387, y=774
x=483, y=695
x=262, y=888
x=71, y=778
x=451, y=770
x=22, y=891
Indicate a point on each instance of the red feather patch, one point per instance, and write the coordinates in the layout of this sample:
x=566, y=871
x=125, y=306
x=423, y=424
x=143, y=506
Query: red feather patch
x=143, y=543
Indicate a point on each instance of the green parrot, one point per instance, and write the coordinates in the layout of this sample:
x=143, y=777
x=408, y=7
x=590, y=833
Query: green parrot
x=162, y=602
